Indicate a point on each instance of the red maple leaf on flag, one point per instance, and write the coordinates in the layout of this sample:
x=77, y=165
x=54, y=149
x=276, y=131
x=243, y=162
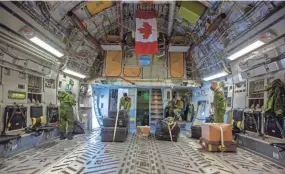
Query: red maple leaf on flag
x=146, y=30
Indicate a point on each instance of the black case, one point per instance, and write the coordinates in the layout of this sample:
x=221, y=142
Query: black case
x=237, y=115
x=108, y=132
x=196, y=131
x=77, y=129
x=162, y=126
x=160, y=135
x=113, y=114
x=110, y=122
x=53, y=115
x=272, y=128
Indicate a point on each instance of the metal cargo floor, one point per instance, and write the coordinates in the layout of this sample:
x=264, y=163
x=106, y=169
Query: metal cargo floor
x=138, y=155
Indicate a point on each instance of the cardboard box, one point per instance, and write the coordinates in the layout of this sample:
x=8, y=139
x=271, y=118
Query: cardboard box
x=212, y=132
x=143, y=130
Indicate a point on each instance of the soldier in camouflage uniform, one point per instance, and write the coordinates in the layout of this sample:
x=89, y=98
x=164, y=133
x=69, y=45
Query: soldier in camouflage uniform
x=66, y=117
x=125, y=101
x=220, y=102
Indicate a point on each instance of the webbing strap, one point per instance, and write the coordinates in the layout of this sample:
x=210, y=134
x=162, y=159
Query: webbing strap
x=115, y=130
x=222, y=139
x=170, y=129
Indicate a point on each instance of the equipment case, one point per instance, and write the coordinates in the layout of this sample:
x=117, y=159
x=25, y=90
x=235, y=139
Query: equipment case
x=113, y=114
x=160, y=135
x=215, y=146
x=196, y=131
x=110, y=122
x=108, y=132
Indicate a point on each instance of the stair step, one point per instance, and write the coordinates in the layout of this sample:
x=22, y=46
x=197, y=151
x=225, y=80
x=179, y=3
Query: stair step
x=156, y=113
x=156, y=107
x=156, y=98
x=157, y=117
x=156, y=110
x=156, y=104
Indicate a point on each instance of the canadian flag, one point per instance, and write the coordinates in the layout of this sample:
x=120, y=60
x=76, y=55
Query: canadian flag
x=146, y=32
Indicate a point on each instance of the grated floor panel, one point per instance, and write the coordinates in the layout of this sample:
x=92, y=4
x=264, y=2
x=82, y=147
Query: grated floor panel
x=138, y=155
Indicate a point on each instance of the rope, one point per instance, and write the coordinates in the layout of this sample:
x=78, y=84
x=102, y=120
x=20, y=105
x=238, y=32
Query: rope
x=170, y=129
x=222, y=148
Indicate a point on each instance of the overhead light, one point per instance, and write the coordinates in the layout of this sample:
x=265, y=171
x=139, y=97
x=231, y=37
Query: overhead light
x=218, y=75
x=246, y=50
x=71, y=72
x=46, y=46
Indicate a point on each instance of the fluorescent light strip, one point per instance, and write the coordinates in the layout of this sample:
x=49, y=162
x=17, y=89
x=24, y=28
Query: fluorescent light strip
x=218, y=75
x=45, y=46
x=71, y=72
x=246, y=50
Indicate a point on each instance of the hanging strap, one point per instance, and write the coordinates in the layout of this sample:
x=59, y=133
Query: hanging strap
x=170, y=129
x=222, y=146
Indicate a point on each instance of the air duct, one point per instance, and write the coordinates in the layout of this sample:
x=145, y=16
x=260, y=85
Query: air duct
x=82, y=28
x=170, y=17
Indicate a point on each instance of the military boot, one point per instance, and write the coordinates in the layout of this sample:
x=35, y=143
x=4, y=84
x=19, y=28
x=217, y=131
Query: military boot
x=62, y=136
x=69, y=136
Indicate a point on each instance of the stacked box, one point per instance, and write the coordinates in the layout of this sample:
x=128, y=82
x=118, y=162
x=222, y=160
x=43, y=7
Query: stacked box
x=215, y=135
x=107, y=131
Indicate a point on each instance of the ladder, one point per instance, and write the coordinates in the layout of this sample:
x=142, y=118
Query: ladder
x=156, y=106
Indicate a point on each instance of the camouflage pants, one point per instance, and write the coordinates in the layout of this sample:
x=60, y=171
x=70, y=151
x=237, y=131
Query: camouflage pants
x=219, y=115
x=66, y=118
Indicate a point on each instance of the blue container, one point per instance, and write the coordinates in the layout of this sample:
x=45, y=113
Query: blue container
x=145, y=60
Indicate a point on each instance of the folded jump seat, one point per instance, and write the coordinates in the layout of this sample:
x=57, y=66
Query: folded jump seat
x=36, y=113
x=52, y=115
x=14, y=118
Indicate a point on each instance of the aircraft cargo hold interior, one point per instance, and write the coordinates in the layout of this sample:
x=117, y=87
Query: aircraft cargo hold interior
x=142, y=87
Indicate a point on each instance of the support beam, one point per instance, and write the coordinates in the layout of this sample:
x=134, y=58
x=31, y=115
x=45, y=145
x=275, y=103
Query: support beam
x=82, y=28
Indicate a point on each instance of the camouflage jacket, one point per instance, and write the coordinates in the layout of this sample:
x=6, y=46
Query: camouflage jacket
x=220, y=101
x=66, y=98
x=126, y=104
x=276, y=99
